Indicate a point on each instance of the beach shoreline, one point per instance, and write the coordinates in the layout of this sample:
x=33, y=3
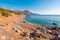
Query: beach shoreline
x=27, y=21
x=16, y=28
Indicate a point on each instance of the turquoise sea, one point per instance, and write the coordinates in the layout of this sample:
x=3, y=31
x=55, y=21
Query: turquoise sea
x=47, y=20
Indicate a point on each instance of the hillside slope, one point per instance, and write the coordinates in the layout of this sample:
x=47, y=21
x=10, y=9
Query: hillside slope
x=13, y=27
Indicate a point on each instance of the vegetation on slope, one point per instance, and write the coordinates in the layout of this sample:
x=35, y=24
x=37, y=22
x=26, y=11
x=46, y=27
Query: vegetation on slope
x=6, y=12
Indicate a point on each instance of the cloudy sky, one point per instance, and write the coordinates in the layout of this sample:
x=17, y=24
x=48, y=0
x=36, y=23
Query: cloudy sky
x=44, y=7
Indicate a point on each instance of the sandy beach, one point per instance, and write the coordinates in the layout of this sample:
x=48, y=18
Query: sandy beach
x=8, y=23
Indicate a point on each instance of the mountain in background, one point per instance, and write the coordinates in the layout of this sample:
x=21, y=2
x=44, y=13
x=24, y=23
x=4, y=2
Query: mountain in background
x=8, y=12
x=28, y=12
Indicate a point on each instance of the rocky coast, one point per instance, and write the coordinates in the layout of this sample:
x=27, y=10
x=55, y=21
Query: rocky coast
x=13, y=27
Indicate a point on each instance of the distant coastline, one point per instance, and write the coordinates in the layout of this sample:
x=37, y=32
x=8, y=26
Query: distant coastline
x=42, y=20
x=28, y=22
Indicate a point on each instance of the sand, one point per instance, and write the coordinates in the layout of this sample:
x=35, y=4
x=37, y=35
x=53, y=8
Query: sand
x=11, y=27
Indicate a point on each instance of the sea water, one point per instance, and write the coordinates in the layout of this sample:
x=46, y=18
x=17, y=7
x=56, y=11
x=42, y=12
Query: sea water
x=43, y=19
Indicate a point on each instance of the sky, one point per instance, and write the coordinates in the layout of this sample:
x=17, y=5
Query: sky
x=43, y=7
